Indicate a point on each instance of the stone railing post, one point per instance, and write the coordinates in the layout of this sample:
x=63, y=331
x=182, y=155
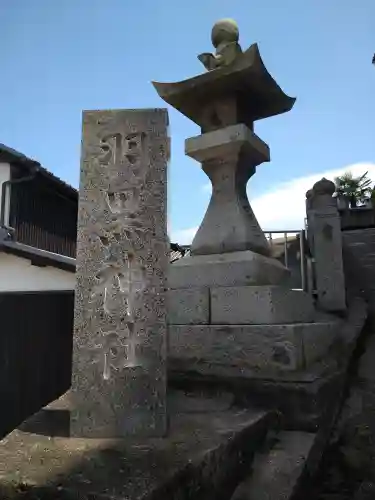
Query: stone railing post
x=325, y=241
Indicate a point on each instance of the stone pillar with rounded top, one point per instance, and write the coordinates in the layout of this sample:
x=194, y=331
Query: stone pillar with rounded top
x=227, y=300
x=324, y=228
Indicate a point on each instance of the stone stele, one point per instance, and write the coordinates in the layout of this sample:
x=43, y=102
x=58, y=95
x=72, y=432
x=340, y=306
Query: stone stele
x=119, y=351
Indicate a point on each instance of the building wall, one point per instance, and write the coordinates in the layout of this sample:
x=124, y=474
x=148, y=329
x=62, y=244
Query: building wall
x=17, y=274
x=5, y=176
x=36, y=352
x=42, y=215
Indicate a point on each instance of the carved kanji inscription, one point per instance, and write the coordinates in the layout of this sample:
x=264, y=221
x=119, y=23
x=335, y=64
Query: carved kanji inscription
x=120, y=312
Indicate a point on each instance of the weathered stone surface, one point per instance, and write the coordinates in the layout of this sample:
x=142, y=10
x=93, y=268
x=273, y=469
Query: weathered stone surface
x=366, y=365
x=317, y=341
x=260, y=305
x=354, y=322
x=119, y=373
x=199, y=401
x=214, y=348
x=366, y=491
x=231, y=269
x=206, y=452
x=275, y=472
x=329, y=263
x=359, y=255
x=229, y=157
x=227, y=141
x=188, y=306
x=302, y=402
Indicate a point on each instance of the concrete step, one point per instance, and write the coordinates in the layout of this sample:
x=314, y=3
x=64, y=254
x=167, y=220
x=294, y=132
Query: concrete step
x=276, y=471
x=208, y=451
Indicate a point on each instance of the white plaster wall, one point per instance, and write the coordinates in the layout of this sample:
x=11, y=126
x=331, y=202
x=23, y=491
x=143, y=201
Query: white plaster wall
x=5, y=176
x=17, y=274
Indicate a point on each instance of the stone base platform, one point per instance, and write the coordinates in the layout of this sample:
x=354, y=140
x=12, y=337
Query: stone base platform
x=303, y=396
x=244, y=305
x=242, y=350
x=226, y=269
x=209, y=450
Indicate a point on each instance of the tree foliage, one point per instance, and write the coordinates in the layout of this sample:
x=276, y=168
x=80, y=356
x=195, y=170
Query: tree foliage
x=355, y=189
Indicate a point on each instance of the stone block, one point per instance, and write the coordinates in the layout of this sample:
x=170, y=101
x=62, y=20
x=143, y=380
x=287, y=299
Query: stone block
x=246, y=348
x=228, y=140
x=230, y=269
x=188, y=306
x=260, y=305
x=120, y=344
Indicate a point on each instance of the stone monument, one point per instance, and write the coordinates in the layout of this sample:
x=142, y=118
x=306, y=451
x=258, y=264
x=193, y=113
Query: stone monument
x=119, y=352
x=229, y=308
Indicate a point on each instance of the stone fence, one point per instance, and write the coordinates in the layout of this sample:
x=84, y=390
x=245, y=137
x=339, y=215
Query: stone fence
x=357, y=218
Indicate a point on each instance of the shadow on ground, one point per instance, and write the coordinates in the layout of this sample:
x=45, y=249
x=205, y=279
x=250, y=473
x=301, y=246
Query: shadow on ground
x=204, y=457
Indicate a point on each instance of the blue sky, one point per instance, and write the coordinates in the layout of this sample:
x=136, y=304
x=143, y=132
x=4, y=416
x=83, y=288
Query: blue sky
x=60, y=57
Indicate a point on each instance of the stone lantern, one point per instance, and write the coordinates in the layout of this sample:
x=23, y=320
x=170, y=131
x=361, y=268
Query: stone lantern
x=229, y=308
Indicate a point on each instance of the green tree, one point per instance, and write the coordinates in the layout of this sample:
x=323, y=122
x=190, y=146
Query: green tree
x=355, y=189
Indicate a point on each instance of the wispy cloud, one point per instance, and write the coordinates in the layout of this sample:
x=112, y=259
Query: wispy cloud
x=283, y=206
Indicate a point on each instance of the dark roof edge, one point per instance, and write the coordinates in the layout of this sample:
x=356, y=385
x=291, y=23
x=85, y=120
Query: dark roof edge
x=39, y=257
x=44, y=258
x=175, y=247
x=12, y=156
